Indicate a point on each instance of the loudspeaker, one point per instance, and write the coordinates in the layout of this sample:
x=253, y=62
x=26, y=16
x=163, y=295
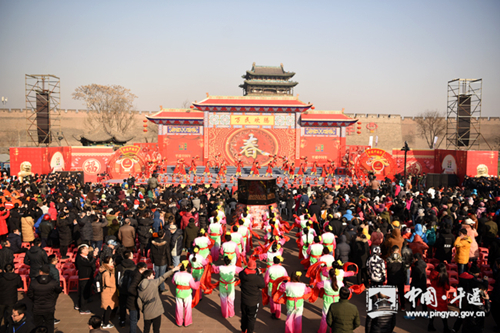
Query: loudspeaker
x=463, y=121
x=43, y=117
x=78, y=175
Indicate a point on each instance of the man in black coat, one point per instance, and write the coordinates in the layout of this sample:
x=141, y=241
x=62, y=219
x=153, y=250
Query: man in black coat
x=444, y=244
x=85, y=264
x=9, y=283
x=20, y=321
x=132, y=306
x=251, y=284
x=16, y=241
x=124, y=272
x=44, y=291
x=36, y=257
x=64, y=228
x=6, y=254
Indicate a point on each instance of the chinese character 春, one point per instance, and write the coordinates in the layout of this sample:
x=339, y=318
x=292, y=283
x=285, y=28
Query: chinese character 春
x=459, y=294
x=250, y=147
x=413, y=294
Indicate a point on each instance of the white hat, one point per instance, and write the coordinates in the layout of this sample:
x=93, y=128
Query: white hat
x=469, y=221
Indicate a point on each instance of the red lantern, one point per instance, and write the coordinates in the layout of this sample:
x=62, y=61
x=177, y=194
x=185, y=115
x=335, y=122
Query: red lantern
x=359, y=132
x=359, y=122
x=145, y=130
x=145, y=125
x=145, y=120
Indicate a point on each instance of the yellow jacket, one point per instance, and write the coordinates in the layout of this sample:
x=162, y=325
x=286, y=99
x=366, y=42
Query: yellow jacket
x=463, y=247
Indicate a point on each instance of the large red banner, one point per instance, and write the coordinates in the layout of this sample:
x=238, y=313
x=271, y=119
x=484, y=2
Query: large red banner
x=251, y=144
x=482, y=163
x=418, y=161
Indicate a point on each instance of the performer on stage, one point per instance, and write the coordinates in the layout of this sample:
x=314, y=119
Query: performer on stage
x=291, y=170
x=285, y=166
x=314, y=169
x=217, y=160
x=304, y=167
x=255, y=169
x=269, y=171
x=184, y=283
x=193, y=165
x=207, y=168
x=239, y=165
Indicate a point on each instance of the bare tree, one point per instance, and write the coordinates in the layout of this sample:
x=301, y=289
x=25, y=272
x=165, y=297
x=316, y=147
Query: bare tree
x=111, y=107
x=431, y=124
x=186, y=104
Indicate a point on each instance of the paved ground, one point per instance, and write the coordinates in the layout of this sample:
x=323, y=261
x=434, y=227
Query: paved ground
x=207, y=316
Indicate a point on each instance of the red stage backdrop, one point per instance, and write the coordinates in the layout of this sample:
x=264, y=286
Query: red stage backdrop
x=450, y=162
x=128, y=160
x=174, y=147
x=252, y=143
x=91, y=160
x=322, y=144
x=482, y=163
x=378, y=161
x=417, y=161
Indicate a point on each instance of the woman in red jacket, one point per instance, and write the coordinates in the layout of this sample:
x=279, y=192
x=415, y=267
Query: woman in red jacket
x=4, y=214
x=441, y=283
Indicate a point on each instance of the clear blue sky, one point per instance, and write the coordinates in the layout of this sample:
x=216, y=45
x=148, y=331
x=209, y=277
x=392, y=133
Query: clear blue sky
x=365, y=56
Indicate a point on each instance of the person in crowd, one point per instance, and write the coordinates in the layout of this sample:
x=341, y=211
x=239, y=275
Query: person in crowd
x=95, y=325
x=10, y=282
x=375, y=266
x=16, y=241
x=44, y=291
x=126, y=235
x=20, y=321
x=441, y=284
x=396, y=275
x=252, y=283
x=160, y=255
x=98, y=224
x=176, y=242
x=109, y=293
x=85, y=265
x=462, y=245
x=36, y=257
x=343, y=316
x=132, y=295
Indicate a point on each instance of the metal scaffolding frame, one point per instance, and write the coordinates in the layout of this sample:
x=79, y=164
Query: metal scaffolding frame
x=460, y=93
x=51, y=85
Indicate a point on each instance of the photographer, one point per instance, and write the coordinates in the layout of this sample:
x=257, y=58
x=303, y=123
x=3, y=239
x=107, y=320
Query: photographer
x=252, y=282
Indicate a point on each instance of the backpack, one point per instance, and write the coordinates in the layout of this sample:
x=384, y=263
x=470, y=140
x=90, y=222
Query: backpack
x=124, y=280
x=431, y=237
x=98, y=284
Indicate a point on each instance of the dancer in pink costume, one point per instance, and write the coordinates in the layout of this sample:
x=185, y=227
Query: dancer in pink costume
x=227, y=283
x=293, y=293
x=215, y=233
x=204, y=243
x=274, y=251
x=230, y=248
x=331, y=295
x=274, y=272
x=184, y=283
